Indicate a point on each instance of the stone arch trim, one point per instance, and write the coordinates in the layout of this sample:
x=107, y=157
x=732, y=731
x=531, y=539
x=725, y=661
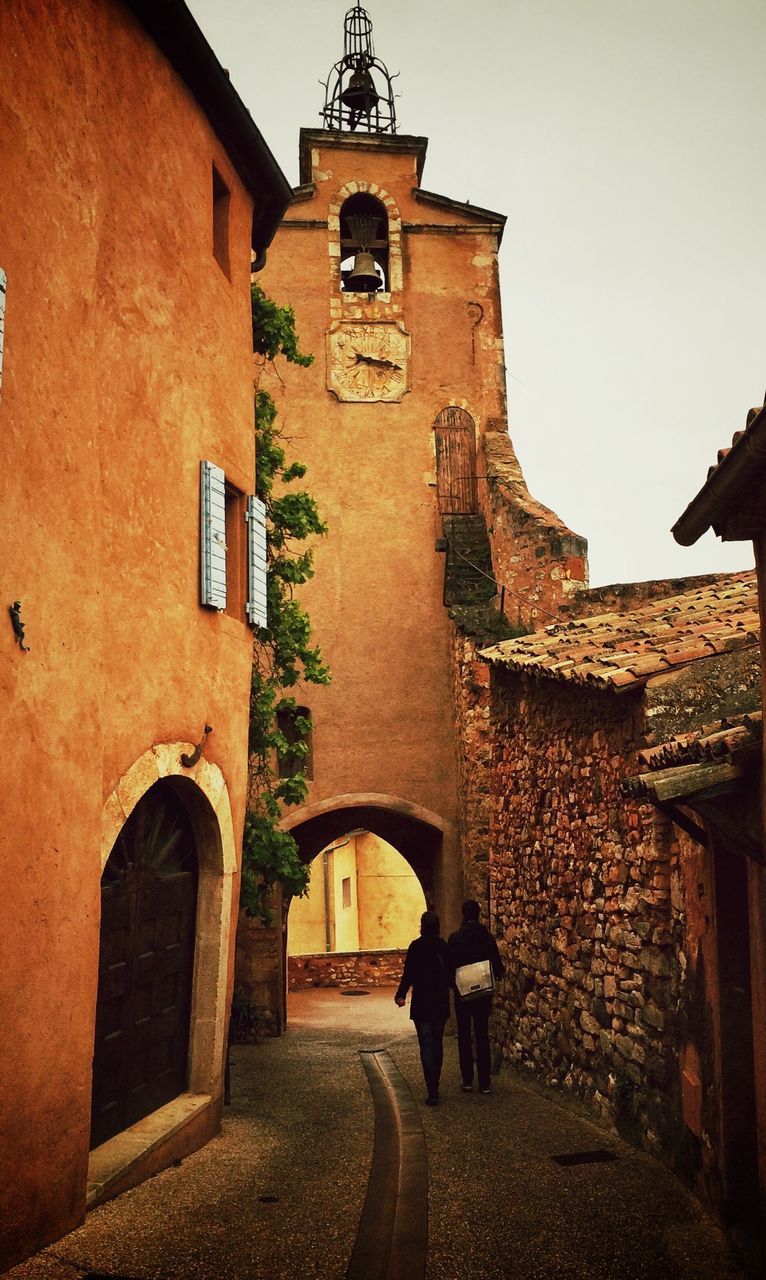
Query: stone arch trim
x=206, y=795
x=396, y=279
x=417, y=833
x=366, y=799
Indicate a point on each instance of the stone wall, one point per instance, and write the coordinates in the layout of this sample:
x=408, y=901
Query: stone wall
x=345, y=969
x=474, y=756
x=540, y=562
x=587, y=904
x=257, y=998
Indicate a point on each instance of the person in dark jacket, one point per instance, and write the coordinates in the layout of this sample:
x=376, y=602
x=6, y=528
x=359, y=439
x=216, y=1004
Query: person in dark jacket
x=427, y=970
x=469, y=943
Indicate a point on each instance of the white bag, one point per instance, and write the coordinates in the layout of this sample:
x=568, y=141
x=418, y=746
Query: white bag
x=475, y=980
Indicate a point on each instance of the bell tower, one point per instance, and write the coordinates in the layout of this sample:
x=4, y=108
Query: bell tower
x=402, y=422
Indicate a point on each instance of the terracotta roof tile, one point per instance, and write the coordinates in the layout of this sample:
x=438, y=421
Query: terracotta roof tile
x=622, y=651
x=718, y=741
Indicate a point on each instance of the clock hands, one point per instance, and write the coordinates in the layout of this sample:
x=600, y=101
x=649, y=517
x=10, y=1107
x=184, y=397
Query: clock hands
x=379, y=361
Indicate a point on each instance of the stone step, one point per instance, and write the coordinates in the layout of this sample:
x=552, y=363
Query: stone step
x=468, y=569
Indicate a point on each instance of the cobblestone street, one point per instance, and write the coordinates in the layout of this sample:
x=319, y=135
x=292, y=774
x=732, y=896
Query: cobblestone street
x=280, y=1192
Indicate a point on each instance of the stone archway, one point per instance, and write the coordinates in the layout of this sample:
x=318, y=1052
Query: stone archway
x=417, y=834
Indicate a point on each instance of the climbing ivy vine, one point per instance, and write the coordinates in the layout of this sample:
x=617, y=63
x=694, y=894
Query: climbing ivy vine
x=283, y=653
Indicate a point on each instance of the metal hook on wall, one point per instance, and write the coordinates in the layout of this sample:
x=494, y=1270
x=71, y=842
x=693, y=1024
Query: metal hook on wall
x=189, y=761
x=477, y=307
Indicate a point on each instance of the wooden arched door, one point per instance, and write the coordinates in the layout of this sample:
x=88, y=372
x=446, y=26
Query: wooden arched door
x=146, y=964
x=455, y=433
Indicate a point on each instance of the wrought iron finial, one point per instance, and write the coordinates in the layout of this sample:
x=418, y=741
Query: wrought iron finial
x=359, y=94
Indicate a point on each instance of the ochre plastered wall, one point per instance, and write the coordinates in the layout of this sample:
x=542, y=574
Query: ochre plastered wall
x=127, y=360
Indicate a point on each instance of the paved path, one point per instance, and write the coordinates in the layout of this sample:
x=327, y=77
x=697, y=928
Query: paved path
x=280, y=1193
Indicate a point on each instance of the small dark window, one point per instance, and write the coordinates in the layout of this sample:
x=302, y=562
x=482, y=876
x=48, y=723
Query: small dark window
x=221, y=200
x=363, y=244
x=291, y=764
x=236, y=552
x=345, y=885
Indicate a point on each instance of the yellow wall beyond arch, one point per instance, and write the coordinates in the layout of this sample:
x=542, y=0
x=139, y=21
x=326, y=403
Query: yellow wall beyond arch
x=382, y=905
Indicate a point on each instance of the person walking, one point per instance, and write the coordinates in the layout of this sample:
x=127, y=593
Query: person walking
x=468, y=944
x=427, y=971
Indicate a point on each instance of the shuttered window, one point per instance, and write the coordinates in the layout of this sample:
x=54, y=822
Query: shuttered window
x=212, y=536
x=256, y=563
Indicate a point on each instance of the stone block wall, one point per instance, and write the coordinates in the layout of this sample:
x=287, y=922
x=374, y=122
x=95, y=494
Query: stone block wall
x=474, y=757
x=345, y=969
x=587, y=904
x=257, y=999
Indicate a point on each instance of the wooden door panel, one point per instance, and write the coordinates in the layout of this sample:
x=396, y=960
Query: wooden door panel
x=455, y=438
x=145, y=973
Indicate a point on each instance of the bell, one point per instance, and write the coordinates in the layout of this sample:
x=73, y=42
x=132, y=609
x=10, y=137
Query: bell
x=363, y=278
x=360, y=96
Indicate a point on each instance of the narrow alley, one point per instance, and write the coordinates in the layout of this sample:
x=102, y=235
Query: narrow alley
x=280, y=1192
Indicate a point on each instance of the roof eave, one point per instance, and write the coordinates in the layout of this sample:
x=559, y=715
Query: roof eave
x=497, y=221
x=724, y=489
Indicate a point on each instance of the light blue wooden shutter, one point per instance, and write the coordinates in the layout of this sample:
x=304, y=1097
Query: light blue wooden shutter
x=3, y=284
x=256, y=563
x=212, y=536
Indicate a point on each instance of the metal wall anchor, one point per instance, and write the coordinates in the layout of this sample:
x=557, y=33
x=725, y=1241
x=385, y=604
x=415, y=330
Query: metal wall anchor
x=189, y=761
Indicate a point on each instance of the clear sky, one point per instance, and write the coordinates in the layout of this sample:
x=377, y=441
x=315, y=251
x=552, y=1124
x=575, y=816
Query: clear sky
x=624, y=140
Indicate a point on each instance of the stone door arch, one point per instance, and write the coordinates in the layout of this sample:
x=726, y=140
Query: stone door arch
x=455, y=442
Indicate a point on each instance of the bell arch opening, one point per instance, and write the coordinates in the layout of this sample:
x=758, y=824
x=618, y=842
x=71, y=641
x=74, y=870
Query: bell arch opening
x=364, y=266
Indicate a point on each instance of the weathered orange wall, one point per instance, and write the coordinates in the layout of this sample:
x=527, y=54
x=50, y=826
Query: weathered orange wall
x=126, y=362
x=385, y=724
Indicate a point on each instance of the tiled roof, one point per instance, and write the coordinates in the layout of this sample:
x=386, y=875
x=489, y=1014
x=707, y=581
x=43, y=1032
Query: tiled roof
x=694, y=767
x=718, y=742
x=622, y=651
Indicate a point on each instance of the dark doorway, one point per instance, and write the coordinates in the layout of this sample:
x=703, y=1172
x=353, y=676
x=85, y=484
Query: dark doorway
x=146, y=962
x=455, y=433
x=738, y=1099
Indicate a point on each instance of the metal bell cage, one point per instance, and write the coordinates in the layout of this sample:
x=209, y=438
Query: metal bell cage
x=358, y=92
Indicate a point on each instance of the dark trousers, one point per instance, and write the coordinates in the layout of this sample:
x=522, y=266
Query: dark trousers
x=431, y=1042
x=474, y=1013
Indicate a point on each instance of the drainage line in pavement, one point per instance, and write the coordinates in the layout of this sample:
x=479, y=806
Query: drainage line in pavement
x=392, y=1239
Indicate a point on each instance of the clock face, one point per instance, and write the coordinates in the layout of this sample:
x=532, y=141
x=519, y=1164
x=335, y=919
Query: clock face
x=368, y=362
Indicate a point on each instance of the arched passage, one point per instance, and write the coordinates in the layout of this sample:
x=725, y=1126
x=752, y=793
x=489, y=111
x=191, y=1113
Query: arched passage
x=418, y=834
